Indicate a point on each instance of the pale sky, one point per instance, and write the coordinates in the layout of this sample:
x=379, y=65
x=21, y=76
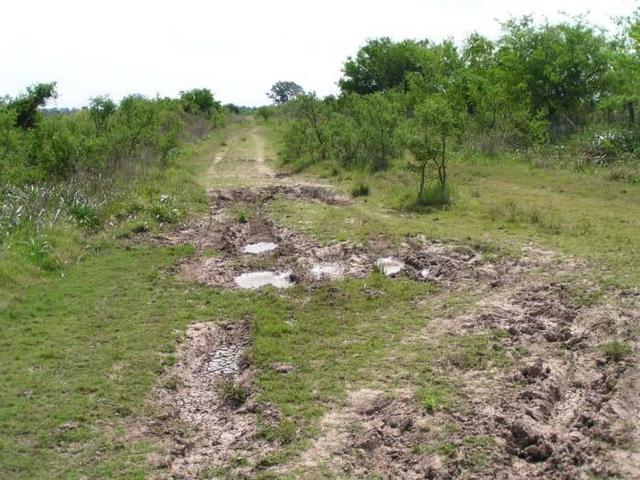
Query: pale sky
x=236, y=48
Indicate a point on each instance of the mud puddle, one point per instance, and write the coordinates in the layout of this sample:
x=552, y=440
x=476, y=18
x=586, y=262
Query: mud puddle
x=389, y=266
x=260, y=247
x=321, y=271
x=255, y=280
x=209, y=415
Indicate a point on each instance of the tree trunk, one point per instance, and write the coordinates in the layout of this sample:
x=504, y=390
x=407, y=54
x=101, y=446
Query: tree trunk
x=423, y=168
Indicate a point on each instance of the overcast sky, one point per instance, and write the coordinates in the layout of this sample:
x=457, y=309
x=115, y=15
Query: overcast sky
x=237, y=48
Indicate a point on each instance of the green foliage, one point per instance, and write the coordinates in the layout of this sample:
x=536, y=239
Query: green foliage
x=241, y=216
x=200, y=101
x=26, y=106
x=360, y=190
x=616, y=351
x=281, y=92
x=100, y=109
x=381, y=65
x=265, y=112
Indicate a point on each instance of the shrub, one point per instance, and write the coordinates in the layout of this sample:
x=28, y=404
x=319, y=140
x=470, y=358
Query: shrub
x=360, y=190
x=232, y=394
x=616, y=351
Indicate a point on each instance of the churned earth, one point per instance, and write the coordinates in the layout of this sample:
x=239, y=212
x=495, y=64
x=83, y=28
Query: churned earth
x=392, y=356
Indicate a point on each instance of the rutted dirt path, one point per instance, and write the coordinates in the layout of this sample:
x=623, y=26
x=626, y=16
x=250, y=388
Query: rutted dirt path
x=563, y=410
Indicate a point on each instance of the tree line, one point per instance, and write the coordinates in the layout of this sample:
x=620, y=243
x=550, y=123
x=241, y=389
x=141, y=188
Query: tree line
x=537, y=84
x=36, y=147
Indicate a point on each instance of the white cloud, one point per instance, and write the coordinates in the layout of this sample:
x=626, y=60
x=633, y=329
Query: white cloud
x=236, y=48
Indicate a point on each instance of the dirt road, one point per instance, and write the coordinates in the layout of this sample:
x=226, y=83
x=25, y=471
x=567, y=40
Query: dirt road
x=520, y=383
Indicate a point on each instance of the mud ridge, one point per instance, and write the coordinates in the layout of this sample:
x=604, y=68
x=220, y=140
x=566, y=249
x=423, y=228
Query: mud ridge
x=209, y=415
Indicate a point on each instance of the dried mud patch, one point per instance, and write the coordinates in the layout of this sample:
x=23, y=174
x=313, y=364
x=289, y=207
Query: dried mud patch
x=566, y=411
x=310, y=261
x=209, y=415
x=389, y=435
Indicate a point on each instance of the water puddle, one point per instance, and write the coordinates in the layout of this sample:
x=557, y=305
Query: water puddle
x=389, y=265
x=327, y=270
x=260, y=247
x=254, y=280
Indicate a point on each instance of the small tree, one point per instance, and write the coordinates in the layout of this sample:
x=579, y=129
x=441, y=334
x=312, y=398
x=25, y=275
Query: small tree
x=100, y=109
x=199, y=101
x=426, y=137
x=281, y=92
x=26, y=106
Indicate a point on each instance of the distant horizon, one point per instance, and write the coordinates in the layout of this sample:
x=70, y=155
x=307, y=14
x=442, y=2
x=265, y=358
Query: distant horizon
x=238, y=51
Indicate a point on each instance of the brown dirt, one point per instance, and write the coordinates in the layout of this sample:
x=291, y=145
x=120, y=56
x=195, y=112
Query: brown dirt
x=206, y=422
x=563, y=412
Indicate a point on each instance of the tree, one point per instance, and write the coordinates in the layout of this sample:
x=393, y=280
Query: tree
x=381, y=65
x=199, y=101
x=426, y=137
x=26, y=106
x=283, y=92
x=100, y=109
x=560, y=68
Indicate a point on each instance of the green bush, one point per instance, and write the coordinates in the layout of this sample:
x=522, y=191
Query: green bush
x=360, y=190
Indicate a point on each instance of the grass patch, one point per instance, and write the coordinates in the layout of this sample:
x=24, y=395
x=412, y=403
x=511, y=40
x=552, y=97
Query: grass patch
x=616, y=351
x=360, y=190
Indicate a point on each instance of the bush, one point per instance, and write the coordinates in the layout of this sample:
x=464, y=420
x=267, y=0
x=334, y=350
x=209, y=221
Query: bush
x=616, y=351
x=232, y=394
x=360, y=190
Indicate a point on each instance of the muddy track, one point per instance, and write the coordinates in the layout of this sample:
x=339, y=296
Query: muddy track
x=563, y=411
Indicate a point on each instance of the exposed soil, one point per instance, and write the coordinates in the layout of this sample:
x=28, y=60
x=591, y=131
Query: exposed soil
x=308, y=260
x=563, y=410
x=208, y=412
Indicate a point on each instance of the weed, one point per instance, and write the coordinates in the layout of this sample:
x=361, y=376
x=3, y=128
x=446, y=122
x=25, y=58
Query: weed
x=283, y=433
x=232, y=393
x=39, y=251
x=616, y=351
x=171, y=382
x=360, y=190
x=140, y=227
x=474, y=352
x=164, y=211
x=241, y=217
x=86, y=216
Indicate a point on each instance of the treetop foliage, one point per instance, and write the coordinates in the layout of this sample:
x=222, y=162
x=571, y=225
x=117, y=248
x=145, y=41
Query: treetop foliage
x=283, y=91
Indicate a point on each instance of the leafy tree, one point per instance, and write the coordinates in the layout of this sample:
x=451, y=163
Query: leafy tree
x=378, y=116
x=100, y=109
x=380, y=65
x=426, y=137
x=560, y=68
x=282, y=92
x=200, y=101
x=26, y=106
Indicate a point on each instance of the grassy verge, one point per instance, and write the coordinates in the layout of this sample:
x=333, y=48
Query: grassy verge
x=87, y=319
